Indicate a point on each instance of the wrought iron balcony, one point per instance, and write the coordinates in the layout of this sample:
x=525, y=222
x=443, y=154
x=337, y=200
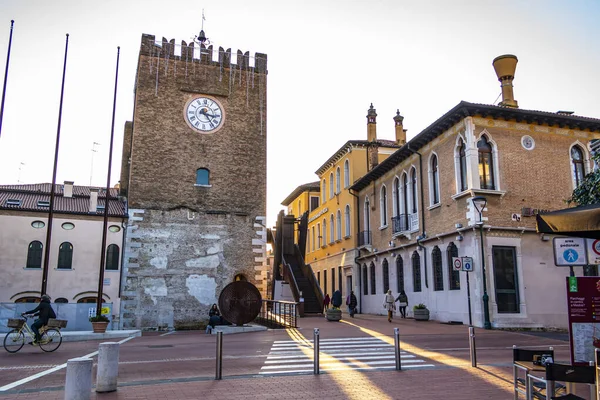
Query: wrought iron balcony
x=405, y=222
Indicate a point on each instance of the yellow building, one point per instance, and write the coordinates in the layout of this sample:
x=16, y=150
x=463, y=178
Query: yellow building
x=332, y=220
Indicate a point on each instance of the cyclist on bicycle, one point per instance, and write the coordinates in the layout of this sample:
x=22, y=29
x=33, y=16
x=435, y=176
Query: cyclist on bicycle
x=45, y=312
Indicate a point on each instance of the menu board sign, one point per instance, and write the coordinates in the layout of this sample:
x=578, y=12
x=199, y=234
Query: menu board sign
x=583, y=302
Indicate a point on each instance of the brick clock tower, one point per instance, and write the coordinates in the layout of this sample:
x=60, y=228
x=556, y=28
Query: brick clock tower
x=194, y=174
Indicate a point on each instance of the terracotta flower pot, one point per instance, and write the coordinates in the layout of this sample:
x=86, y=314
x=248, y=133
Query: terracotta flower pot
x=99, y=327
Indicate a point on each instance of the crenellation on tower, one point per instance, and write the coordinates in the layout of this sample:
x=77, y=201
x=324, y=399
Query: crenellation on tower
x=199, y=53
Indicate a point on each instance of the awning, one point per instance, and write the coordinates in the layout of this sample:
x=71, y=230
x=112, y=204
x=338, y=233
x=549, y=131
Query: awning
x=578, y=221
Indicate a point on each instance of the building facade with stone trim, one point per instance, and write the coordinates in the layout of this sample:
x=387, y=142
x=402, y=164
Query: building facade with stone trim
x=422, y=204
x=333, y=233
x=75, y=245
x=194, y=173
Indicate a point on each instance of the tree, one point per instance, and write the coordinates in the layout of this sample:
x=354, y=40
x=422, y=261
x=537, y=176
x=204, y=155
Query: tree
x=589, y=191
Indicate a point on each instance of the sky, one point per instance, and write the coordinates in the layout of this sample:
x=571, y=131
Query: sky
x=328, y=60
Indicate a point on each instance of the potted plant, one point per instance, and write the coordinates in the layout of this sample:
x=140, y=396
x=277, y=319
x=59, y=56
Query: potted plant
x=333, y=314
x=421, y=312
x=99, y=323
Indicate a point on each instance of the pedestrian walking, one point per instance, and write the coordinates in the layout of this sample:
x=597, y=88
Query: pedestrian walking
x=352, y=304
x=389, y=305
x=326, y=302
x=402, y=300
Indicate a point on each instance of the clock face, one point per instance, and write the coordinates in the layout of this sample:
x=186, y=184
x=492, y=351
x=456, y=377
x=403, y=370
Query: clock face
x=204, y=114
x=527, y=142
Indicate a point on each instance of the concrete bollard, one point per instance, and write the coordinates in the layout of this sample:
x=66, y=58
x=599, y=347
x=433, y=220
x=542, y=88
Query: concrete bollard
x=108, y=367
x=78, y=383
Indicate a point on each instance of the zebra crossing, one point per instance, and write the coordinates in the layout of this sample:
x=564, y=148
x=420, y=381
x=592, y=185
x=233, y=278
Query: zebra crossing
x=339, y=354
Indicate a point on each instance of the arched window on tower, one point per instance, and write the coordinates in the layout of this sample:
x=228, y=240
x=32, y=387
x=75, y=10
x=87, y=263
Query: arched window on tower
x=202, y=177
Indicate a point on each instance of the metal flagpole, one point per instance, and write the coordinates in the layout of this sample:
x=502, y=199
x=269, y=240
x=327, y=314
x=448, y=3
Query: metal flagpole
x=51, y=211
x=12, y=22
x=107, y=196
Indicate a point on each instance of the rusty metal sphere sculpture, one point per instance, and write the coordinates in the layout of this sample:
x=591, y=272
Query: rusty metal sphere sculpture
x=240, y=302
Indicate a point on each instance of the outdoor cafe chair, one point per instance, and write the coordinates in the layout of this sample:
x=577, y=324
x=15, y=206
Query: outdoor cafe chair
x=556, y=372
x=523, y=361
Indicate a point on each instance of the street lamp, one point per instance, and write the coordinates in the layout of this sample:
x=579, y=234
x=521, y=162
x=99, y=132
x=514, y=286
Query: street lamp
x=479, y=202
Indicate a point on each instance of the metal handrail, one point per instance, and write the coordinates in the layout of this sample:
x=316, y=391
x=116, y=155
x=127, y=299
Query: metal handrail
x=278, y=314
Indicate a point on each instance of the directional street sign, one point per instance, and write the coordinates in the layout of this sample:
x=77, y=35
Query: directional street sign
x=467, y=264
x=457, y=263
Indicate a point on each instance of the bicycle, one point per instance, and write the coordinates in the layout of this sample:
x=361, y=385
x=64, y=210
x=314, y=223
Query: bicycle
x=51, y=337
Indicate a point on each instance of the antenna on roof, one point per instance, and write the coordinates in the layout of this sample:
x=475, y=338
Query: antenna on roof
x=201, y=38
x=20, y=168
x=92, y=166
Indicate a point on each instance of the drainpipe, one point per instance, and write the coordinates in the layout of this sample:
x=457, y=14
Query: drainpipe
x=423, y=232
x=356, y=258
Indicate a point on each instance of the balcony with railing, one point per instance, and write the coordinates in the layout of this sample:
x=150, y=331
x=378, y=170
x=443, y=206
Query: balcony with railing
x=364, y=238
x=405, y=223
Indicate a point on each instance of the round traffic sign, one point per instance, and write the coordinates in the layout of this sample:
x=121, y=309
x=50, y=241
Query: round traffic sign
x=458, y=264
x=596, y=246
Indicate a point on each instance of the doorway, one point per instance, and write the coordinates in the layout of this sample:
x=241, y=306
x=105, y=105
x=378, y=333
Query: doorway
x=505, y=279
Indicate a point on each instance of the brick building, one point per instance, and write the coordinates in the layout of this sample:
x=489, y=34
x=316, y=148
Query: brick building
x=423, y=205
x=194, y=173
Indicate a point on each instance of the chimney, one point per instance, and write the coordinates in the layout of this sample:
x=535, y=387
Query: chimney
x=93, y=200
x=68, y=189
x=371, y=124
x=505, y=67
x=400, y=131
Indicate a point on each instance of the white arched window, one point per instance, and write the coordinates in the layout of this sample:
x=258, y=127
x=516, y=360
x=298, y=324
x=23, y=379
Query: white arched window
x=337, y=180
x=324, y=192
x=396, y=197
x=347, y=221
x=331, y=229
x=319, y=242
x=461, y=165
x=338, y=225
x=434, y=181
x=577, y=165
x=324, y=242
x=346, y=174
x=486, y=164
x=331, y=192
x=367, y=222
x=383, y=206
x=413, y=190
